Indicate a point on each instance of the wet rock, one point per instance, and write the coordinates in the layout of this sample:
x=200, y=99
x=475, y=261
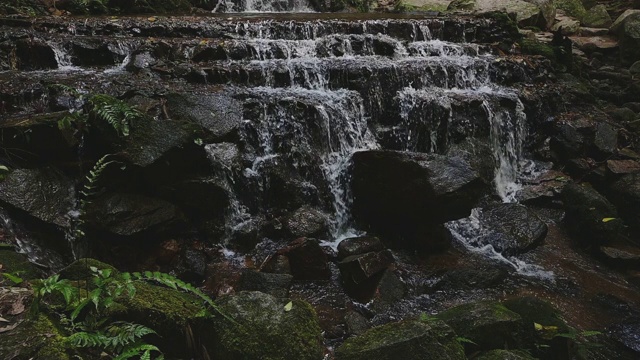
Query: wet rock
x=606, y=139
x=222, y=278
x=45, y=194
x=627, y=333
x=93, y=53
x=277, y=264
x=129, y=214
x=622, y=167
x=513, y=228
x=505, y=355
x=276, y=285
x=407, y=340
x=623, y=115
x=359, y=268
x=625, y=193
x=359, y=245
x=224, y=156
x=196, y=262
x=356, y=323
x=621, y=255
x=597, y=17
x=306, y=260
x=17, y=264
x=489, y=325
x=402, y=196
x=389, y=291
x=307, y=222
x=535, y=310
x=585, y=211
x=218, y=113
x=267, y=330
x=476, y=277
x=35, y=54
x=36, y=338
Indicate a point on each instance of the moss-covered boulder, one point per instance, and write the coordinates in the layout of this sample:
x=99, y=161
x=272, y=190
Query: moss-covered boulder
x=406, y=340
x=36, y=339
x=489, y=325
x=81, y=269
x=267, y=328
x=597, y=17
x=573, y=8
x=14, y=264
x=500, y=354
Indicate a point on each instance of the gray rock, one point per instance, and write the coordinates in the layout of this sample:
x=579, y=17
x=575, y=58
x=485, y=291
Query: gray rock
x=359, y=245
x=476, y=277
x=606, y=139
x=585, y=211
x=407, y=340
x=356, y=323
x=635, y=68
x=540, y=13
x=513, y=228
x=307, y=222
x=489, y=325
x=404, y=196
x=130, y=214
x=265, y=329
x=625, y=193
x=597, y=17
x=627, y=333
x=623, y=115
x=45, y=194
x=219, y=113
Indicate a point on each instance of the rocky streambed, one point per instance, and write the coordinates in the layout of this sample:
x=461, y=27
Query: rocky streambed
x=343, y=186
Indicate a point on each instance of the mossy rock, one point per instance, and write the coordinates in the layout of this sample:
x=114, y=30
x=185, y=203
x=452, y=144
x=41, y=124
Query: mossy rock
x=597, y=17
x=572, y=8
x=23, y=7
x=490, y=325
x=267, y=329
x=534, y=310
x=406, y=340
x=36, y=339
x=17, y=265
x=81, y=269
x=461, y=5
x=535, y=47
x=500, y=354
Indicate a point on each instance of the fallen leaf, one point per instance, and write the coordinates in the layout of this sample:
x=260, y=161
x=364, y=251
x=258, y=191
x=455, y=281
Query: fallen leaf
x=607, y=219
x=289, y=306
x=152, y=19
x=3, y=319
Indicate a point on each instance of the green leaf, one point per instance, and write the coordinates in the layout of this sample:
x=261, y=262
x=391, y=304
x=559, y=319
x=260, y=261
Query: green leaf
x=13, y=278
x=465, y=340
x=289, y=306
x=607, y=219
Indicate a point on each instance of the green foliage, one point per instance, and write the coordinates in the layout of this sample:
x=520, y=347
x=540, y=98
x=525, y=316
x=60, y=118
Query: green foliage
x=14, y=278
x=4, y=171
x=177, y=284
x=121, y=338
x=116, y=112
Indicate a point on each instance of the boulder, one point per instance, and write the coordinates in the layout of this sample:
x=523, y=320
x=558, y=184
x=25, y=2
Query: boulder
x=622, y=167
x=361, y=274
x=569, y=26
x=625, y=194
x=474, y=277
x=130, y=214
x=597, y=17
x=573, y=8
x=17, y=264
x=605, y=140
x=590, y=216
x=356, y=323
x=513, y=228
x=407, y=340
x=621, y=255
x=307, y=222
x=539, y=13
x=489, y=325
x=37, y=339
x=34, y=54
x=627, y=334
x=276, y=285
x=635, y=68
x=406, y=196
x=218, y=113
x=618, y=24
x=629, y=34
x=265, y=328
x=359, y=245
x=303, y=257
x=45, y=194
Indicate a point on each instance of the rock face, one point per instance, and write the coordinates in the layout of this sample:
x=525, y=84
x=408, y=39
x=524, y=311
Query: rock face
x=540, y=13
x=407, y=340
x=514, y=228
x=45, y=194
x=586, y=211
x=130, y=214
x=404, y=196
x=490, y=325
x=265, y=329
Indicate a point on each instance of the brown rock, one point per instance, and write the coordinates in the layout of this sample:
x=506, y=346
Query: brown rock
x=623, y=166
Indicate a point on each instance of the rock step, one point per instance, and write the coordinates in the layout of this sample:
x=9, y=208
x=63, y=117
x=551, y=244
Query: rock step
x=273, y=26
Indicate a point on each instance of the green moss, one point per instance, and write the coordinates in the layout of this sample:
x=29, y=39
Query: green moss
x=534, y=47
x=407, y=340
x=264, y=329
x=18, y=265
x=81, y=269
x=37, y=339
x=571, y=7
